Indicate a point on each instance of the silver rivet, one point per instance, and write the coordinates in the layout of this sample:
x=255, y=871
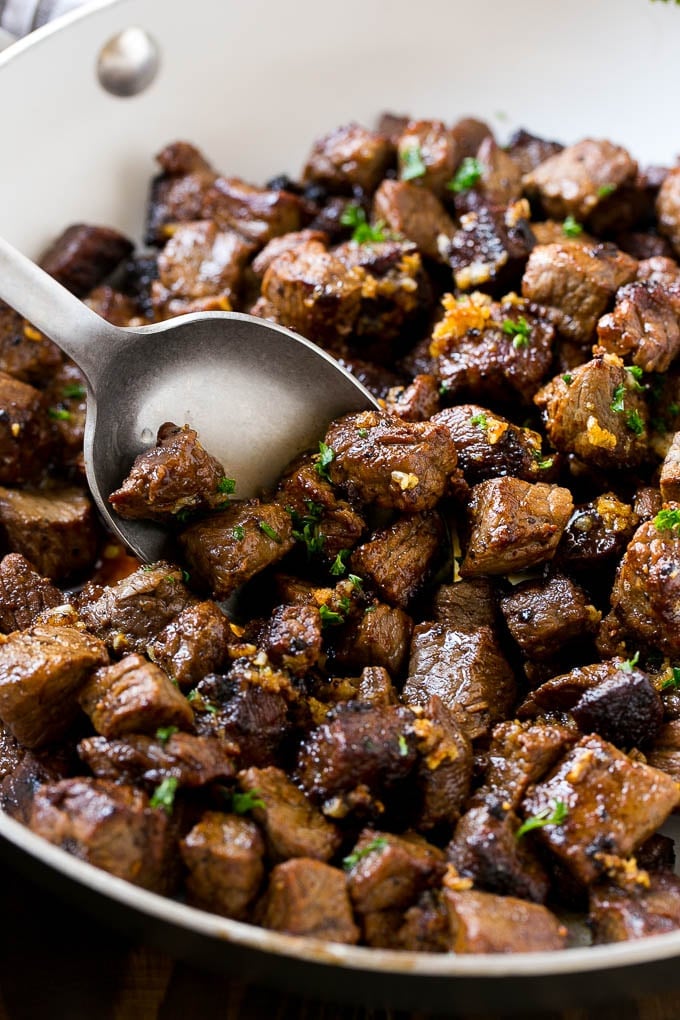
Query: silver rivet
x=128, y=62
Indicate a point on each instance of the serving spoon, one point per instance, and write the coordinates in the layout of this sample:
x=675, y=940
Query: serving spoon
x=256, y=393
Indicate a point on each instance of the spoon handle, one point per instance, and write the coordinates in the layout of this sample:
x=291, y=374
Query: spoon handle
x=75, y=328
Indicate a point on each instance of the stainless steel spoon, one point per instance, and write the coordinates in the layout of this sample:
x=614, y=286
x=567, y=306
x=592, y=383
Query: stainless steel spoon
x=257, y=394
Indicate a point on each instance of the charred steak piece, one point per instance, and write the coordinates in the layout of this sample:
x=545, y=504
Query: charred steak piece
x=520, y=754
x=238, y=709
x=668, y=209
x=482, y=922
x=25, y=354
x=83, y=256
x=427, y=148
x=597, y=533
x=444, y=772
x=178, y=193
x=137, y=758
x=199, y=261
x=380, y=637
x=307, y=897
x=419, y=401
x=196, y=642
x=388, y=871
x=416, y=214
x=26, y=435
x=258, y=214
x=292, y=638
x=489, y=249
x=466, y=605
x=618, y=914
x=397, y=560
x=24, y=594
x=670, y=472
x=224, y=857
x=643, y=326
x=347, y=158
x=544, y=616
x=528, y=150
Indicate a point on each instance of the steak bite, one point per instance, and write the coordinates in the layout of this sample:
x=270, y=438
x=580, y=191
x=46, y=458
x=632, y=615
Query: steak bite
x=56, y=529
x=665, y=752
x=26, y=437
x=387, y=871
x=649, y=907
x=292, y=638
x=25, y=354
x=669, y=481
x=466, y=605
x=41, y=672
x=481, y=922
x=189, y=760
x=576, y=180
x=444, y=772
x=237, y=709
x=286, y=242
x=521, y=753
x=547, y=616
x=668, y=208
x=528, y=150
x=397, y=560
x=224, y=857
x=597, y=413
x=400, y=465
x=307, y=897
x=501, y=180
x=612, y=805
x=228, y=548
x=258, y=214
x=643, y=326
x=515, y=525
x=107, y=825
x=133, y=696
x=292, y=826
x=199, y=261
x=416, y=214
x=418, y=401
x=427, y=154
x=178, y=193
x=624, y=706
x=347, y=158
x=490, y=247
x=577, y=283
x=597, y=533
x=380, y=637
x=84, y=255
x=174, y=476
x=24, y=594
x=196, y=642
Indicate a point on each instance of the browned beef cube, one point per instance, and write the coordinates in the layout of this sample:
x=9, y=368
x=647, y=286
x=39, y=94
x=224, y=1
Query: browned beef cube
x=307, y=897
x=485, y=848
x=426, y=926
x=520, y=754
x=193, y=761
x=574, y=181
x=83, y=255
x=26, y=437
x=397, y=560
x=376, y=378
x=506, y=360
x=598, y=414
x=670, y=472
x=391, y=125
x=28, y=773
x=415, y=213
x=256, y=213
x=577, y=282
x=130, y=614
x=668, y=208
x=286, y=242
x=657, y=853
x=375, y=687
x=224, y=857
x=107, y=825
x=174, y=476
x=466, y=670
x=490, y=247
x=468, y=134
x=465, y=605
x=544, y=616
x=624, y=706
x=349, y=157
x=114, y=306
x=379, y=637
x=25, y=353
x=552, y=232
x=501, y=180
x=56, y=529
x=358, y=744
x=427, y=154
x=445, y=767
x=401, y=465
x=228, y=548
x=418, y=401
x=178, y=194
x=597, y=532
x=647, y=503
x=529, y=150
x=311, y=291
x=650, y=908
x=41, y=671
x=642, y=326
x=665, y=751
x=292, y=826
x=589, y=781
x=133, y=696
x=66, y=396
x=292, y=638
x=388, y=871
x=645, y=593
x=482, y=922
x=659, y=269
x=194, y=643
x=24, y=594
x=253, y=716
x=201, y=261
x=333, y=523
x=515, y=525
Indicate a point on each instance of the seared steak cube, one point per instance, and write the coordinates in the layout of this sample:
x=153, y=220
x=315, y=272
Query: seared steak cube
x=465, y=605
x=26, y=354
x=224, y=857
x=307, y=897
x=418, y=401
x=597, y=533
x=501, y=180
x=41, y=671
x=107, y=825
x=256, y=213
x=375, y=687
x=292, y=826
x=624, y=706
x=175, y=476
x=544, y=616
x=286, y=242
x=83, y=256
x=401, y=465
x=589, y=781
x=416, y=214
x=137, y=758
x=445, y=766
x=193, y=644
x=651, y=908
x=133, y=696
x=528, y=150
x=379, y=637
x=178, y=193
x=349, y=157
x=56, y=529
x=574, y=181
x=427, y=154
x=670, y=472
x=520, y=754
x=292, y=638
x=228, y=548
x=482, y=922
x=397, y=560
x=577, y=283
x=200, y=261
x=490, y=247
x=245, y=712
x=643, y=326
x=668, y=208
x=26, y=438
x=388, y=871
x=598, y=413
x=468, y=134
x=24, y=594
x=515, y=525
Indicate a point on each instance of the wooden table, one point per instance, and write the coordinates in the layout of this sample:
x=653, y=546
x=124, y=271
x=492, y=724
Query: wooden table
x=58, y=964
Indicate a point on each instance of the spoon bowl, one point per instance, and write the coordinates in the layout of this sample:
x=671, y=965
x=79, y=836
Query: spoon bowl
x=257, y=394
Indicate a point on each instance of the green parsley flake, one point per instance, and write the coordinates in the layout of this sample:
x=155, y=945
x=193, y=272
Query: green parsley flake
x=543, y=463
x=241, y=803
x=363, y=433
x=520, y=331
x=59, y=413
x=238, y=532
x=324, y=458
x=412, y=165
x=339, y=565
x=357, y=582
x=605, y=190
x=74, y=391
x=617, y=399
x=672, y=682
x=363, y=233
x=403, y=746
x=226, y=485
x=481, y=420
x=468, y=174
x=379, y=843
x=629, y=665
x=567, y=379
x=546, y=816
x=329, y=617
x=571, y=227
x=306, y=527
x=635, y=423
x=163, y=733
x=636, y=373
x=667, y=520
x=267, y=530
x=164, y=794
x=443, y=389
x=186, y=576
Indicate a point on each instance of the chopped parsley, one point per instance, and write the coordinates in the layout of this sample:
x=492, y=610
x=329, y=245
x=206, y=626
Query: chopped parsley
x=617, y=399
x=567, y=378
x=186, y=576
x=629, y=665
x=635, y=423
x=226, y=485
x=59, y=413
x=357, y=582
x=74, y=391
x=163, y=733
x=412, y=165
x=605, y=190
x=637, y=374
x=306, y=527
x=331, y=617
x=672, y=682
x=544, y=817
x=403, y=746
x=571, y=227
x=480, y=419
x=520, y=331
x=267, y=530
x=164, y=794
x=667, y=520
x=324, y=458
x=238, y=532
x=363, y=232
x=196, y=699
x=543, y=463
x=467, y=175
x=363, y=433
x=379, y=843
x=443, y=389
x=339, y=565
x=241, y=803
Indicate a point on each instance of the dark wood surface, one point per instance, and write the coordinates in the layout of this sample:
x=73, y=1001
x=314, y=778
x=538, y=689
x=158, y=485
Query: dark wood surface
x=58, y=964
